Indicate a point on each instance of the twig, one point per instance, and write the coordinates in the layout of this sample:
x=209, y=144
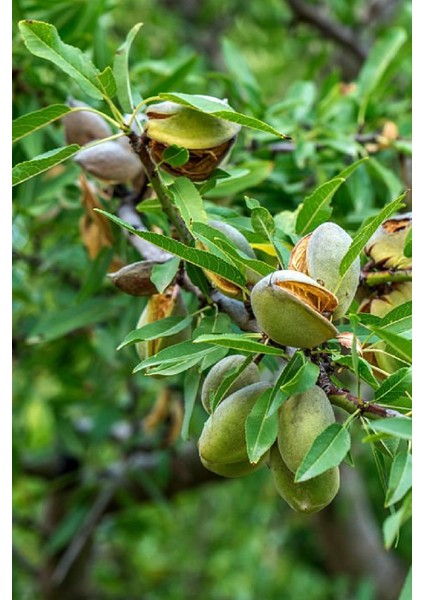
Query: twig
x=139, y=144
x=374, y=278
x=308, y=13
x=344, y=399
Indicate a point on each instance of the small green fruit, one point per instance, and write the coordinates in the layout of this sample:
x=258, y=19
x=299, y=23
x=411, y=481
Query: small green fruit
x=223, y=437
x=309, y=496
x=291, y=309
x=251, y=374
x=301, y=419
x=319, y=255
x=207, y=138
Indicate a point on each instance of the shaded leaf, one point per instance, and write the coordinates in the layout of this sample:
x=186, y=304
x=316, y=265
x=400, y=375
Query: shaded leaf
x=191, y=389
x=164, y=273
x=23, y=126
x=261, y=428
x=400, y=427
x=238, y=341
x=327, y=451
x=395, y=387
x=400, y=479
x=30, y=168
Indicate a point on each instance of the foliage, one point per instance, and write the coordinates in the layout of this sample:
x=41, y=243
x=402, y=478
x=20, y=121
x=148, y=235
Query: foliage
x=96, y=386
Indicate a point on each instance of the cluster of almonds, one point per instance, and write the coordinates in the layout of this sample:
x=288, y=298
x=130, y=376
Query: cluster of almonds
x=222, y=444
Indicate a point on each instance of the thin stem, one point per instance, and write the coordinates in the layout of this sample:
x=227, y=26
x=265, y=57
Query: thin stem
x=140, y=148
x=374, y=278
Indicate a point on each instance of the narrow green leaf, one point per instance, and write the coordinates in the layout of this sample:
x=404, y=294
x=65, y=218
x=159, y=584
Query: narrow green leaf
x=316, y=207
x=175, y=354
x=227, y=381
x=394, y=522
x=211, y=107
x=378, y=60
x=243, y=177
x=188, y=201
x=42, y=40
x=398, y=320
x=200, y=258
x=365, y=232
x=261, y=428
x=363, y=367
x=298, y=376
x=23, y=126
x=121, y=72
x=395, y=387
x=400, y=479
x=176, y=156
x=175, y=368
x=30, y=168
x=262, y=222
x=162, y=328
x=107, y=82
x=327, y=451
x=237, y=341
x=400, y=427
x=401, y=346
x=163, y=274
x=191, y=389
x=408, y=244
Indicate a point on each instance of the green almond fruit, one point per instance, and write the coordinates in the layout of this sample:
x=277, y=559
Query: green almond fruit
x=240, y=469
x=301, y=419
x=249, y=375
x=319, y=255
x=223, y=437
x=306, y=497
x=291, y=309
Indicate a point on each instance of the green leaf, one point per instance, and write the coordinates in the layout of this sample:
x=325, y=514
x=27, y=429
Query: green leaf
x=395, y=387
x=316, y=207
x=298, y=376
x=401, y=346
x=162, y=328
x=406, y=592
x=407, y=250
x=23, y=126
x=327, y=451
x=365, y=232
x=164, y=273
x=392, y=524
x=42, y=40
x=176, y=354
x=227, y=381
x=363, y=367
x=378, y=60
x=399, y=319
x=121, y=72
x=238, y=258
x=53, y=325
x=175, y=156
x=387, y=176
x=188, y=201
x=241, y=178
x=200, y=258
x=107, y=83
x=261, y=428
x=30, y=168
x=211, y=107
x=191, y=389
x=400, y=427
x=238, y=341
x=400, y=479
x=262, y=222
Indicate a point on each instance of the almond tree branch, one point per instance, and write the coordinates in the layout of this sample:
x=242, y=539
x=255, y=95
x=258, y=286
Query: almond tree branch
x=374, y=278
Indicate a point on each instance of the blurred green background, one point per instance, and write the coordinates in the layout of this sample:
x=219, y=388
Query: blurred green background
x=77, y=405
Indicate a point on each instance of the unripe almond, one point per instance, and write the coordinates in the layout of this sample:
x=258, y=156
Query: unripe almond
x=319, y=255
x=240, y=469
x=291, y=309
x=301, y=419
x=251, y=374
x=309, y=496
x=223, y=437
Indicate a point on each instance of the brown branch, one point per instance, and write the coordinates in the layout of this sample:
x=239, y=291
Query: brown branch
x=343, y=36
x=351, y=403
x=139, y=144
